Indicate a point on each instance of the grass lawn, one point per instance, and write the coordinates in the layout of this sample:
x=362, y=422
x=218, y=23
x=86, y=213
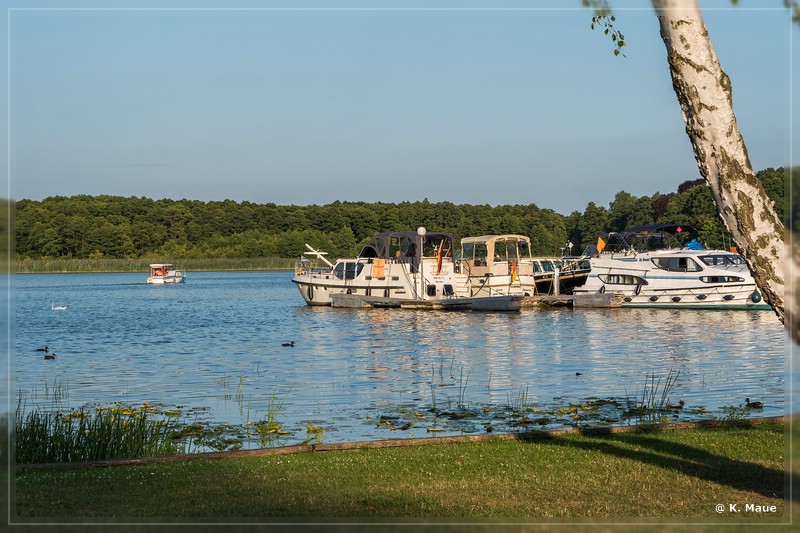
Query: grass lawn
x=667, y=476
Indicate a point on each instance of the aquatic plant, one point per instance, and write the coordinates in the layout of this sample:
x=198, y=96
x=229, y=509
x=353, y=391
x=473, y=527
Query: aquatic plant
x=733, y=415
x=107, y=433
x=462, y=388
x=269, y=429
x=653, y=404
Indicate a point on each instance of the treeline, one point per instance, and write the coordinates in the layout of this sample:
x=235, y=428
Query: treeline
x=118, y=227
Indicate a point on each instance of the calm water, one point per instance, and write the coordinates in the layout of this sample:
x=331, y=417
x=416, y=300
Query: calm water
x=214, y=345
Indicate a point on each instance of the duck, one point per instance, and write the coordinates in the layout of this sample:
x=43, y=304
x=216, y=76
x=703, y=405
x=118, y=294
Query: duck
x=49, y=356
x=753, y=405
x=45, y=349
x=55, y=307
x=290, y=344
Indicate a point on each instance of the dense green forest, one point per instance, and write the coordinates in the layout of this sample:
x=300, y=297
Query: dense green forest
x=118, y=227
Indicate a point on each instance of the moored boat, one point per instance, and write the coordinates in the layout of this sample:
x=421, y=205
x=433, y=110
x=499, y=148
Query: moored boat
x=504, y=264
x=648, y=267
x=162, y=273
x=394, y=269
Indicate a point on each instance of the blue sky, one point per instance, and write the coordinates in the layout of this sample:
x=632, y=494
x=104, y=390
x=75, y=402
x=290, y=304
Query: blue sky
x=479, y=106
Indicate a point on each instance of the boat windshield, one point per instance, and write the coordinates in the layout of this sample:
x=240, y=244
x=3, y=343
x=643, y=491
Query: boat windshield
x=511, y=250
x=475, y=250
x=347, y=270
x=677, y=264
x=722, y=259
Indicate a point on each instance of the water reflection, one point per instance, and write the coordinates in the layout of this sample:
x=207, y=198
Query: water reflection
x=216, y=343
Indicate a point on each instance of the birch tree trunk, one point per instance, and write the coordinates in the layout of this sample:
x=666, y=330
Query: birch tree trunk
x=704, y=94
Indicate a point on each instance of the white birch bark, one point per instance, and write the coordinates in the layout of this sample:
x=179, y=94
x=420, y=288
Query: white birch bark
x=704, y=94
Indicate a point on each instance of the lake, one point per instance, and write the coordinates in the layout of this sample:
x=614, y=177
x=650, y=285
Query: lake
x=212, y=349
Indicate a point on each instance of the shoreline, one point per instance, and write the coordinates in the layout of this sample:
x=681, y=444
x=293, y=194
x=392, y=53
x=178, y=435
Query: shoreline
x=114, y=265
x=531, y=435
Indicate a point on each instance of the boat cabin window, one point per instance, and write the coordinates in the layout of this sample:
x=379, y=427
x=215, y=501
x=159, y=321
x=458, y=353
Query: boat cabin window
x=475, y=251
x=511, y=250
x=721, y=279
x=547, y=266
x=400, y=247
x=622, y=279
x=722, y=260
x=677, y=264
x=347, y=270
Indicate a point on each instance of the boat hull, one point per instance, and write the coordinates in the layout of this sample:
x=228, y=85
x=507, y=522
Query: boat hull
x=163, y=280
x=399, y=282
x=494, y=303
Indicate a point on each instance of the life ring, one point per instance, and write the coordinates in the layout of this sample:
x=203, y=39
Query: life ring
x=756, y=297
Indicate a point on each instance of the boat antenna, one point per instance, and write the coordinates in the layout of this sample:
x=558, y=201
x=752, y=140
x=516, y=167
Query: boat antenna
x=319, y=255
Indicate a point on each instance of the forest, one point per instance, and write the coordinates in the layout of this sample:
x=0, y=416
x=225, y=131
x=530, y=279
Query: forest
x=86, y=227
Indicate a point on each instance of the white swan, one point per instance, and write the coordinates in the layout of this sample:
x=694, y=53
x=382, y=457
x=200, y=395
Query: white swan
x=55, y=307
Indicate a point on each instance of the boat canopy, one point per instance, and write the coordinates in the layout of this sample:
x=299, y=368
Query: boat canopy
x=649, y=237
x=656, y=230
x=391, y=244
x=507, y=247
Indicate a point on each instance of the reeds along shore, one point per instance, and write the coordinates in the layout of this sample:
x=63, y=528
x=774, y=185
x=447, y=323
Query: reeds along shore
x=52, y=266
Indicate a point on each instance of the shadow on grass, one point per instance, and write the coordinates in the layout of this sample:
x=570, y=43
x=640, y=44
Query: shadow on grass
x=689, y=461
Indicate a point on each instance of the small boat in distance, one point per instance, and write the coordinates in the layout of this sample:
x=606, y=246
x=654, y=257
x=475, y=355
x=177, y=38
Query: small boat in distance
x=161, y=273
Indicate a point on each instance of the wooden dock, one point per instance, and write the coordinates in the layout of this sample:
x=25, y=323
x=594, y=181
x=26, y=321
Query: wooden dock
x=494, y=303
x=605, y=300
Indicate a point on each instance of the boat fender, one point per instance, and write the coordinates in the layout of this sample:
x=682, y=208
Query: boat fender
x=385, y=293
x=602, y=289
x=310, y=292
x=756, y=297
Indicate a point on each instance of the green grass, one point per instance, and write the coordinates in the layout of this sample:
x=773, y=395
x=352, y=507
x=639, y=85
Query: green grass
x=46, y=266
x=676, y=475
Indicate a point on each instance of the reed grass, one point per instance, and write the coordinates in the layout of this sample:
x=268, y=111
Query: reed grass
x=653, y=404
x=54, y=437
x=64, y=265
